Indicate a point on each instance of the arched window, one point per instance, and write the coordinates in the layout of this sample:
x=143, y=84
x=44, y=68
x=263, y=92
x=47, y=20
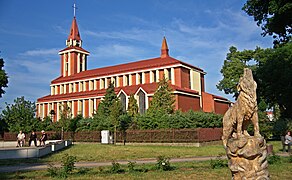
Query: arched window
x=123, y=97
x=142, y=102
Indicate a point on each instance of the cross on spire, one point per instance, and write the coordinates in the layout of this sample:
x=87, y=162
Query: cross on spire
x=74, y=9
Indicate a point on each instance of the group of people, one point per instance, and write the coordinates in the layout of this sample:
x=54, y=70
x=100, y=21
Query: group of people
x=32, y=138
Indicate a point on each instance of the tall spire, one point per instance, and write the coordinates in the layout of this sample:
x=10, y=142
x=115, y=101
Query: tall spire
x=164, y=48
x=74, y=38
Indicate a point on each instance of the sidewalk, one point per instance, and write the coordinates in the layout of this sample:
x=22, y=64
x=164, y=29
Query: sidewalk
x=31, y=167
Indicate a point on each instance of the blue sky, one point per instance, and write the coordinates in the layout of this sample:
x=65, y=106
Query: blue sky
x=198, y=32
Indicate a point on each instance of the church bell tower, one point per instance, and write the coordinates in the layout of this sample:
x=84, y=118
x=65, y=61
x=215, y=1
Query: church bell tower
x=73, y=57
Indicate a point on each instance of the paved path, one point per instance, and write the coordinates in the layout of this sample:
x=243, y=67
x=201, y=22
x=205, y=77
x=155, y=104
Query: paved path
x=41, y=166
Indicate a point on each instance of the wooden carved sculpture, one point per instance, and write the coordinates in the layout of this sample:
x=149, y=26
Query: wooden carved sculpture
x=246, y=154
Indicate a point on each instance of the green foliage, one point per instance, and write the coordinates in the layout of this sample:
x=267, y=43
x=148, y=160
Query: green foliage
x=179, y=120
x=67, y=167
x=163, y=99
x=131, y=166
x=116, y=168
x=274, y=17
x=109, y=99
x=132, y=106
x=163, y=164
x=281, y=126
x=52, y=170
x=272, y=72
x=274, y=159
x=68, y=163
x=20, y=115
x=109, y=111
x=3, y=78
x=232, y=70
x=290, y=158
x=275, y=77
x=218, y=163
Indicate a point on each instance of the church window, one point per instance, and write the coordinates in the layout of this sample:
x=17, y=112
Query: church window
x=81, y=64
x=169, y=74
x=154, y=76
x=123, y=97
x=127, y=80
x=142, y=102
x=66, y=66
x=140, y=78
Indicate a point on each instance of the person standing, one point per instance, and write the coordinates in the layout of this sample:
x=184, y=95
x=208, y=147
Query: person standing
x=288, y=140
x=43, y=138
x=20, y=139
x=33, y=137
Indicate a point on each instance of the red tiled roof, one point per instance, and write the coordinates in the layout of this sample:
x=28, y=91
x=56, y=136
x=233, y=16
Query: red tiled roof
x=122, y=68
x=149, y=88
x=75, y=47
x=74, y=32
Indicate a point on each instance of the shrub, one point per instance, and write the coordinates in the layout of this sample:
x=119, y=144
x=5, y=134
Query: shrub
x=218, y=163
x=131, y=166
x=116, y=168
x=274, y=159
x=163, y=164
x=68, y=163
x=52, y=170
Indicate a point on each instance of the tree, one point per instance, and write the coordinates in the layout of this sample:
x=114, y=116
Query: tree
x=232, y=69
x=275, y=77
x=132, y=106
x=274, y=17
x=125, y=121
x=101, y=118
x=20, y=115
x=163, y=99
x=116, y=110
x=272, y=72
x=3, y=78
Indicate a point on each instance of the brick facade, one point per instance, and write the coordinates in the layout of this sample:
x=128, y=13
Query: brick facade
x=82, y=90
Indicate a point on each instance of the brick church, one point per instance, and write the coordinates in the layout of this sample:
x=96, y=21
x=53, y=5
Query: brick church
x=82, y=89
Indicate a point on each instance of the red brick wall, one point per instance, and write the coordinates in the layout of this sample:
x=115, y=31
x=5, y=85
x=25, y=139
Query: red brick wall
x=177, y=78
x=161, y=73
x=185, y=78
x=133, y=79
x=185, y=103
x=121, y=81
x=221, y=107
x=147, y=77
x=203, y=83
x=75, y=108
x=208, y=102
x=86, y=106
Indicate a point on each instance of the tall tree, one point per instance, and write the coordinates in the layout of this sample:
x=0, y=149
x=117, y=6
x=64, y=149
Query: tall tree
x=132, y=106
x=109, y=99
x=163, y=98
x=20, y=115
x=274, y=17
x=3, y=78
x=275, y=77
x=232, y=69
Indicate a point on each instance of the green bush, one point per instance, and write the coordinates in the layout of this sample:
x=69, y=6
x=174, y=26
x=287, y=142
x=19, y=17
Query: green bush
x=116, y=168
x=68, y=163
x=274, y=159
x=131, y=166
x=218, y=163
x=163, y=164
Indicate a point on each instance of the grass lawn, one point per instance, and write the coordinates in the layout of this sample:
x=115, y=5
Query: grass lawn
x=98, y=153
x=188, y=170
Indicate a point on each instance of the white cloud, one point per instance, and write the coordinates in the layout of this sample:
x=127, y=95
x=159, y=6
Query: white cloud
x=41, y=52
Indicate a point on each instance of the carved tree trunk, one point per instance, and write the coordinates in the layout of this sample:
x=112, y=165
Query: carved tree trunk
x=247, y=158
